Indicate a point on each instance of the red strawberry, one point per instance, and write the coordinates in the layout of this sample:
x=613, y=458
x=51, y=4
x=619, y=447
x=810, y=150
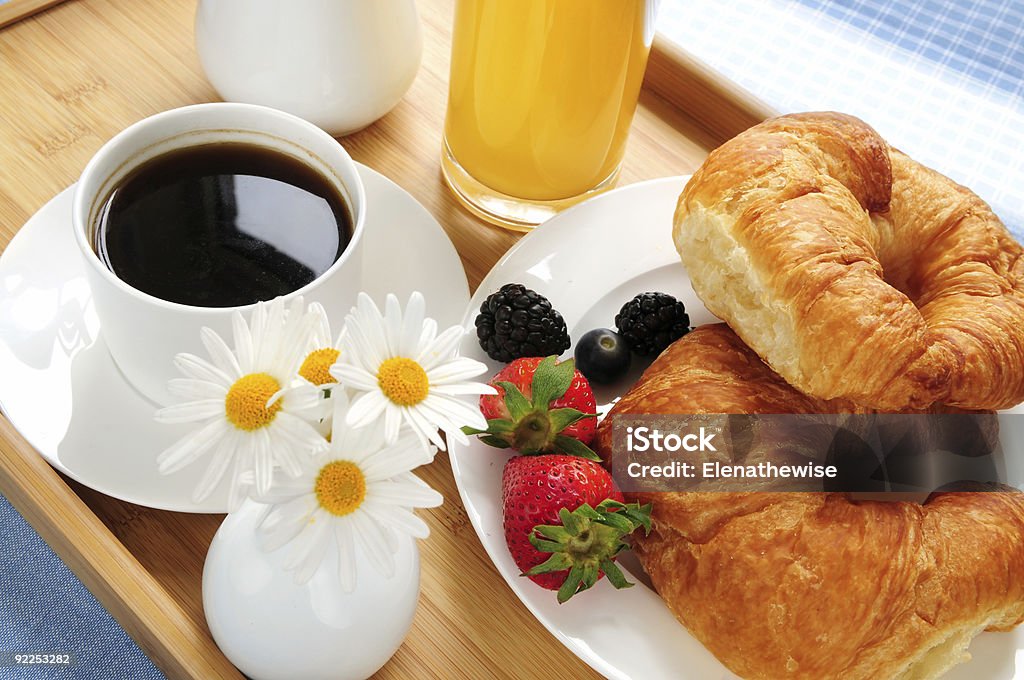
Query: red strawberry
x=541, y=407
x=565, y=521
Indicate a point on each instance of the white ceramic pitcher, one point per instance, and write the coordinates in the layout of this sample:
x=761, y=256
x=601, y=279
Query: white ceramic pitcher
x=340, y=64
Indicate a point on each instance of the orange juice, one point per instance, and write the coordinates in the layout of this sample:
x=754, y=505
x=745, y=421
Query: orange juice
x=542, y=92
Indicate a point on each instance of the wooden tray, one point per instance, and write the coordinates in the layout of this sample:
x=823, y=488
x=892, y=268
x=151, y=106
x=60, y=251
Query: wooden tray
x=72, y=77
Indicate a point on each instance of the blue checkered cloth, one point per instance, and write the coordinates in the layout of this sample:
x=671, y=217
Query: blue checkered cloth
x=44, y=608
x=981, y=39
x=941, y=80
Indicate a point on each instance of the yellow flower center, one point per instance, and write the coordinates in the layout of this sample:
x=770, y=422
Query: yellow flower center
x=246, y=403
x=403, y=381
x=316, y=368
x=340, y=487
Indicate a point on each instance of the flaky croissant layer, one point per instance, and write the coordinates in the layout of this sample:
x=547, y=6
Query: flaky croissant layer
x=854, y=271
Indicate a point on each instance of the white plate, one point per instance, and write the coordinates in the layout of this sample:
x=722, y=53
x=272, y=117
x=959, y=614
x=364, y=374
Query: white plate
x=63, y=392
x=588, y=261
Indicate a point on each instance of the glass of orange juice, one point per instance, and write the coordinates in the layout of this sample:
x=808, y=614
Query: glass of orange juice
x=541, y=97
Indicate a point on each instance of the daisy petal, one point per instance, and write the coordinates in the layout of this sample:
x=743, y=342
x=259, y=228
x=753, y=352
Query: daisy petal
x=302, y=435
x=369, y=535
x=283, y=453
x=303, y=398
x=193, y=390
x=393, y=325
x=427, y=333
x=221, y=458
x=244, y=352
x=191, y=447
x=356, y=444
x=284, y=490
x=455, y=370
x=441, y=349
x=220, y=353
x=366, y=408
x=263, y=464
x=401, y=519
x=460, y=389
x=392, y=422
x=322, y=332
x=390, y=538
x=361, y=350
x=307, y=550
x=201, y=369
x=425, y=429
x=369, y=327
x=355, y=377
x=346, y=556
x=190, y=411
x=284, y=523
x=296, y=339
x=242, y=472
x=457, y=411
x=419, y=423
x=439, y=415
x=405, y=495
x=393, y=460
x=412, y=325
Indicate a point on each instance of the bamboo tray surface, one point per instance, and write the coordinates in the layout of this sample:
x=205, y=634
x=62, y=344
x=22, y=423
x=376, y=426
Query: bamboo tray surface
x=78, y=73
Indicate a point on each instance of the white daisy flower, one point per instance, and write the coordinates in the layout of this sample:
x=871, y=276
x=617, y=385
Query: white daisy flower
x=316, y=382
x=361, y=491
x=404, y=372
x=240, y=400
x=322, y=351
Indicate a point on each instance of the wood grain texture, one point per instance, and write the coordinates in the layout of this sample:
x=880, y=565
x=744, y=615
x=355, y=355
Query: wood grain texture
x=16, y=10
x=75, y=75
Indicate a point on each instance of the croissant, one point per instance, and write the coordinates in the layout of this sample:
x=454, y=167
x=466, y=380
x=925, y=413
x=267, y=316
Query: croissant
x=817, y=585
x=854, y=271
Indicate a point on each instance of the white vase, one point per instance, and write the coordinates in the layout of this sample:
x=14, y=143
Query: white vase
x=340, y=64
x=273, y=629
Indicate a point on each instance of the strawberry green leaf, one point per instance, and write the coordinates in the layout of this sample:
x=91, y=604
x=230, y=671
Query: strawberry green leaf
x=591, y=572
x=544, y=545
x=472, y=430
x=557, y=562
x=551, y=380
x=619, y=522
x=562, y=418
x=638, y=515
x=518, y=405
x=587, y=542
x=571, y=585
x=555, y=532
x=574, y=447
x=572, y=520
x=499, y=426
x=614, y=574
x=496, y=442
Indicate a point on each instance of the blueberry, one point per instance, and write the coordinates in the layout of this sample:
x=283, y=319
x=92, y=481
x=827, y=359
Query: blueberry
x=602, y=356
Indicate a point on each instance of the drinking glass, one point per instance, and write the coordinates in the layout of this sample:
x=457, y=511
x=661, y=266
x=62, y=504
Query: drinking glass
x=541, y=97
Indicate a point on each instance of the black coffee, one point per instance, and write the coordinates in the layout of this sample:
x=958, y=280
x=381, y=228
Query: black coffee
x=220, y=225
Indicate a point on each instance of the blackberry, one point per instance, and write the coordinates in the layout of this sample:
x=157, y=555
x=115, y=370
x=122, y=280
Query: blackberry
x=518, y=322
x=650, y=322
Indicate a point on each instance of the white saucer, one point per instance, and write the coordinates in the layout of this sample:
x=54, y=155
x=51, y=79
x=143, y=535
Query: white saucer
x=62, y=391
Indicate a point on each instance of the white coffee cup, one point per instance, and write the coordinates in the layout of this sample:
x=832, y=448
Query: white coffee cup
x=144, y=332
